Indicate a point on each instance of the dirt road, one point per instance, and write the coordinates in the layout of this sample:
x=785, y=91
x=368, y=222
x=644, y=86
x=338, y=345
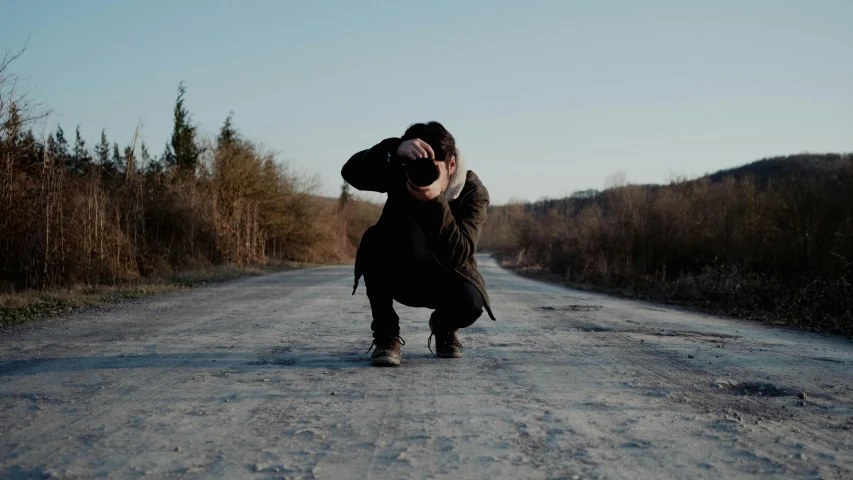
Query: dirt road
x=267, y=377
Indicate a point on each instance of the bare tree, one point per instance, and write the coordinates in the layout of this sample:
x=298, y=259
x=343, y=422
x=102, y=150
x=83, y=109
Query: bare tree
x=16, y=108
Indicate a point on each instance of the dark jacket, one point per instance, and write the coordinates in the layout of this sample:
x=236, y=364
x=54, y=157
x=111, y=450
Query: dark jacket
x=452, y=228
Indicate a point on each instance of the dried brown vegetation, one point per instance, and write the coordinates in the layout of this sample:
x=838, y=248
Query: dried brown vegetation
x=772, y=240
x=69, y=218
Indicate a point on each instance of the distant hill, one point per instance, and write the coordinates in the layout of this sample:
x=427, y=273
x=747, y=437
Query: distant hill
x=800, y=165
x=764, y=171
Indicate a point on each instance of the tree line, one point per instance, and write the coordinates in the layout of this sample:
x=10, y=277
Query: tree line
x=770, y=240
x=71, y=214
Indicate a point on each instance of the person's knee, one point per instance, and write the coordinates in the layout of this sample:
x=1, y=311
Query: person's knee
x=469, y=299
x=468, y=305
x=453, y=319
x=468, y=318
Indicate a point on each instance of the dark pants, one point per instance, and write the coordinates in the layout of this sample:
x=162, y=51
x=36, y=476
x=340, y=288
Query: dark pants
x=420, y=283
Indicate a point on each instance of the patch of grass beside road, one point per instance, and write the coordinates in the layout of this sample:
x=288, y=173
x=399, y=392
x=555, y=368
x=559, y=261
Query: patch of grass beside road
x=694, y=293
x=29, y=305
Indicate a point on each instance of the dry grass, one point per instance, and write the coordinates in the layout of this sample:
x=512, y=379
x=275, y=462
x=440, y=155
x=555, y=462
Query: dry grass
x=29, y=305
x=780, y=250
x=114, y=217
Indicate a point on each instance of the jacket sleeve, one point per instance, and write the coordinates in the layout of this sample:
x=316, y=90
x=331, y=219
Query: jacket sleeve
x=371, y=169
x=454, y=239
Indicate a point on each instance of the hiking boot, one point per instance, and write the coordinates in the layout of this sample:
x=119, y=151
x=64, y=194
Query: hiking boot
x=387, y=352
x=447, y=345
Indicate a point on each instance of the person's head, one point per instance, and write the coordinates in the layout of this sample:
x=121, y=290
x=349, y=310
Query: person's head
x=441, y=141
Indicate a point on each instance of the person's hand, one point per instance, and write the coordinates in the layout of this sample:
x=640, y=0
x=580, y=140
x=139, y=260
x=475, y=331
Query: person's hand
x=430, y=192
x=414, y=149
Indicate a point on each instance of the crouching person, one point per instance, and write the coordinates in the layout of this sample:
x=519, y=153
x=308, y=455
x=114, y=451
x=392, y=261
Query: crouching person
x=421, y=250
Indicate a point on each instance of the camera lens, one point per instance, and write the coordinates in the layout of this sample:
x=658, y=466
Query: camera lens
x=422, y=172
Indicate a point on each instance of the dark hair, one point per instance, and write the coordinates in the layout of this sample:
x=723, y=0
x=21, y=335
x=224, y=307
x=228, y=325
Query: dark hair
x=434, y=133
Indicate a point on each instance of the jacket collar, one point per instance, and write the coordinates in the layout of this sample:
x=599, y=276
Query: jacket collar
x=457, y=180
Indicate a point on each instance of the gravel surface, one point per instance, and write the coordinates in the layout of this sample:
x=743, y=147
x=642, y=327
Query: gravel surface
x=267, y=377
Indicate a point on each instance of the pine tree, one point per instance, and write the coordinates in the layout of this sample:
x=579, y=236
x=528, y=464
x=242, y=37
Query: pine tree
x=33, y=150
x=151, y=165
x=102, y=151
x=61, y=145
x=51, y=147
x=80, y=159
x=144, y=156
x=57, y=147
x=227, y=134
x=183, y=152
x=117, y=161
x=129, y=166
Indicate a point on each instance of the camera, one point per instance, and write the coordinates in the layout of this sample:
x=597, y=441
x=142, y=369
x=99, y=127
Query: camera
x=422, y=171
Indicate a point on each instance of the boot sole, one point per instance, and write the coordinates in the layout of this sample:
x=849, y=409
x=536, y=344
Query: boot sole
x=450, y=354
x=385, y=362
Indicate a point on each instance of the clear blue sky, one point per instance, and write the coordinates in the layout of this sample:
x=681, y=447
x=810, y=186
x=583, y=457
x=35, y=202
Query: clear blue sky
x=544, y=97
